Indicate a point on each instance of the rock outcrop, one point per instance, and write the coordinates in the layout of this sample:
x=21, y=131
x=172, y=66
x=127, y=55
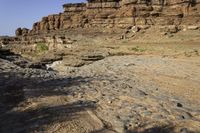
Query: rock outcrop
x=119, y=14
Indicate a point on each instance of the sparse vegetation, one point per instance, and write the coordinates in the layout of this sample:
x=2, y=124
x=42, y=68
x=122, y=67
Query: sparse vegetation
x=41, y=47
x=138, y=49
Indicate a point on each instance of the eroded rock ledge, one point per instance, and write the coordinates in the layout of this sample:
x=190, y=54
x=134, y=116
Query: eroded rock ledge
x=118, y=14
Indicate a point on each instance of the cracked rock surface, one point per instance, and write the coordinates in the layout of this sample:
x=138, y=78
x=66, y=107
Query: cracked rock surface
x=116, y=94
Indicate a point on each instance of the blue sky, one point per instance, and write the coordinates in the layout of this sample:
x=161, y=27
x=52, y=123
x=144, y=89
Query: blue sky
x=23, y=13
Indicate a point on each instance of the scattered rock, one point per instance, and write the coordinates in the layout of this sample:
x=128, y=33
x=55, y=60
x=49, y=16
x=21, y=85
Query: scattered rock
x=169, y=29
x=143, y=106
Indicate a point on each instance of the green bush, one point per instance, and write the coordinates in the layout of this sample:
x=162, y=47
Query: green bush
x=41, y=47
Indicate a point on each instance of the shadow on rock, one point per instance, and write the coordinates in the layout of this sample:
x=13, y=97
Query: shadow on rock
x=36, y=119
x=15, y=89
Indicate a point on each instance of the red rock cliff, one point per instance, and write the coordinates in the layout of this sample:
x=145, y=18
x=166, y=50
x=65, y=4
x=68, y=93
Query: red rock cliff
x=120, y=14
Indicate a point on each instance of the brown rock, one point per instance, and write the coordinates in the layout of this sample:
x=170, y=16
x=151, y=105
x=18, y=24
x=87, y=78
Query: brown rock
x=25, y=31
x=121, y=14
x=18, y=32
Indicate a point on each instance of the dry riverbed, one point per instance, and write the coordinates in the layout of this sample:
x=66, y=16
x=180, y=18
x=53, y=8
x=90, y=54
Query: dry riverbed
x=127, y=86
x=131, y=93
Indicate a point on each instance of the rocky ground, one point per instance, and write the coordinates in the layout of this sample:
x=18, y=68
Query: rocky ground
x=104, y=85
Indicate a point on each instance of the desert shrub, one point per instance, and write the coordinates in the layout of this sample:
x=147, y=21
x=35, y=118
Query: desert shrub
x=41, y=47
x=138, y=49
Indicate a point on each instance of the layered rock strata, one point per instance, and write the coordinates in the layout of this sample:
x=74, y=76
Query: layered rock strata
x=119, y=14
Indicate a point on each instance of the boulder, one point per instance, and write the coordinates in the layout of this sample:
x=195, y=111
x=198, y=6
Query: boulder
x=25, y=31
x=18, y=32
x=172, y=29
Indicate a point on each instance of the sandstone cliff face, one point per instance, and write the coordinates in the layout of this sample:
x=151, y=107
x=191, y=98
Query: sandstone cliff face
x=119, y=14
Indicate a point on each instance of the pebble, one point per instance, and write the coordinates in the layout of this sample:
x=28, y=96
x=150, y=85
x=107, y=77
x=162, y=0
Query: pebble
x=135, y=106
x=147, y=113
x=110, y=101
x=157, y=116
x=142, y=108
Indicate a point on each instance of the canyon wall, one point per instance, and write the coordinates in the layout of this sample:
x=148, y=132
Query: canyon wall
x=119, y=14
